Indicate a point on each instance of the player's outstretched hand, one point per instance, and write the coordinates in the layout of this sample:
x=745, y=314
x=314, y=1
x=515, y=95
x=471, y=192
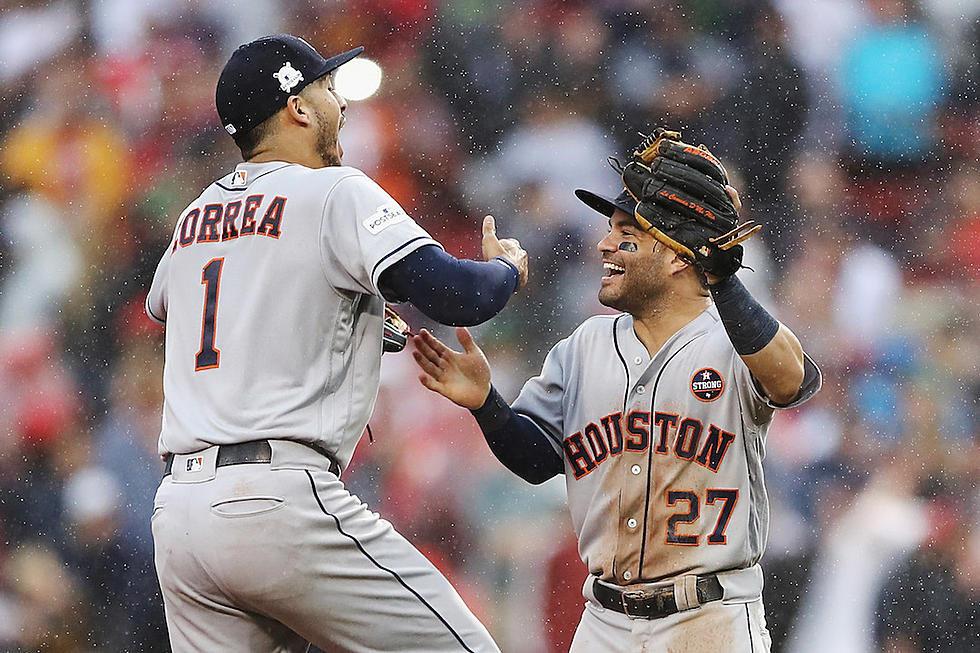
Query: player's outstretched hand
x=462, y=377
x=509, y=248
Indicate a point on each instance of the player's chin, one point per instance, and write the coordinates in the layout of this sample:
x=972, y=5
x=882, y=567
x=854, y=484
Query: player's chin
x=609, y=294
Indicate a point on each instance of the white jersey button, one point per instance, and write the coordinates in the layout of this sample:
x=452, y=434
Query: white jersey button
x=635, y=469
x=631, y=523
x=637, y=360
x=627, y=574
x=640, y=389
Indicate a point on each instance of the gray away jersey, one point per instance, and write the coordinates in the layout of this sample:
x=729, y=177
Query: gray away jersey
x=663, y=456
x=274, y=318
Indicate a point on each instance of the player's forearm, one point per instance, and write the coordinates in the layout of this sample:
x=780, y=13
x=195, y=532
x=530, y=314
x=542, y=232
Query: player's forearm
x=779, y=366
x=770, y=350
x=516, y=441
x=457, y=292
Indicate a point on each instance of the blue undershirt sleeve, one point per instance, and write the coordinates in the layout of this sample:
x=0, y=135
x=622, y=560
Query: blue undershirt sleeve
x=516, y=441
x=457, y=292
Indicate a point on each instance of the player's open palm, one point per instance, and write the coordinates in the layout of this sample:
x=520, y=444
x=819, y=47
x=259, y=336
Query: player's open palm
x=462, y=377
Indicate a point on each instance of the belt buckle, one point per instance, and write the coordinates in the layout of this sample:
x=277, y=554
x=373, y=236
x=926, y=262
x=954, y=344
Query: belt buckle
x=632, y=595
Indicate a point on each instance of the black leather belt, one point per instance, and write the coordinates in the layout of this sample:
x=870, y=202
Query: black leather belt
x=651, y=602
x=256, y=451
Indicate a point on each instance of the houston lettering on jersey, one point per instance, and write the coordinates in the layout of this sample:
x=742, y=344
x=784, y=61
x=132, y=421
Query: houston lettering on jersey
x=590, y=447
x=220, y=222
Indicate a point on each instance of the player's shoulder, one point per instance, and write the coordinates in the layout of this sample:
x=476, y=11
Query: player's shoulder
x=278, y=173
x=602, y=322
x=343, y=182
x=710, y=323
x=596, y=327
x=336, y=174
x=326, y=178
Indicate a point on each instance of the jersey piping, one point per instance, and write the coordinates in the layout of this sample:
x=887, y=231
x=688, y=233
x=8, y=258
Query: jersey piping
x=377, y=564
x=149, y=311
x=237, y=190
x=753, y=509
x=622, y=359
x=393, y=252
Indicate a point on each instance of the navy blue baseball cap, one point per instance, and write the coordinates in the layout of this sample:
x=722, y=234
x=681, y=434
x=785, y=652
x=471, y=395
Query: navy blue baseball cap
x=606, y=205
x=262, y=74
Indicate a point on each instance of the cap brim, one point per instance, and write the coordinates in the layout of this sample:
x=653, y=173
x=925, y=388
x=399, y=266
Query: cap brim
x=339, y=60
x=607, y=205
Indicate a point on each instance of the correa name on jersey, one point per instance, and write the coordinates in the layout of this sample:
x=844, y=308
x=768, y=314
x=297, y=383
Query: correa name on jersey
x=216, y=223
x=593, y=445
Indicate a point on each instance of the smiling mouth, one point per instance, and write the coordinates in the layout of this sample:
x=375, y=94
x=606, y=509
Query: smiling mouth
x=612, y=270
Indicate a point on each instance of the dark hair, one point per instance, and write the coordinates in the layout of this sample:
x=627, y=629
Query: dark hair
x=250, y=141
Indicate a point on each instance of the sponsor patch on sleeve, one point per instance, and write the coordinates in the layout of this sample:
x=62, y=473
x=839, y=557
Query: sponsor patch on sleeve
x=386, y=215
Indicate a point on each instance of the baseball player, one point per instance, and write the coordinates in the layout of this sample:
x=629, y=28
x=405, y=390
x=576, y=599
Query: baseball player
x=657, y=416
x=273, y=294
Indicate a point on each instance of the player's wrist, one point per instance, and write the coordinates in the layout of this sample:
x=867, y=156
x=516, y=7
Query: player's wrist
x=750, y=327
x=478, y=399
x=714, y=279
x=493, y=412
x=516, y=272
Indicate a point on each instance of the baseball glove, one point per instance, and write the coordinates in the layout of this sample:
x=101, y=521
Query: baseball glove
x=396, y=332
x=682, y=201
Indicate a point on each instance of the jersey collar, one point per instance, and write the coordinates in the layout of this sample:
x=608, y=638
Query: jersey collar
x=634, y=350
x=245, y=173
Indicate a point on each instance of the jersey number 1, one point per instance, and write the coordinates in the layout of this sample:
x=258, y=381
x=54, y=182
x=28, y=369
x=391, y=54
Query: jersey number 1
x=207, y=358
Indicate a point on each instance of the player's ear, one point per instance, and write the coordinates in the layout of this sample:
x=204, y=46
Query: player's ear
x=676, y=263
x=298, y=110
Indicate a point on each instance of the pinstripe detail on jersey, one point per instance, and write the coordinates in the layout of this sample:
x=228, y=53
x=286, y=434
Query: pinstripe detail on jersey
x=622, y=359
x=377, y=564
x=267, y=172
x=646, y=503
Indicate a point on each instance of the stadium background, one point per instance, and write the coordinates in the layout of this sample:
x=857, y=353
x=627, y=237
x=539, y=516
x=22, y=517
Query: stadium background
x=852, y=126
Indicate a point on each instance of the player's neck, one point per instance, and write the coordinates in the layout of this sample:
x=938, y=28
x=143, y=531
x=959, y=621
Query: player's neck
x=289, y=148
x=655, y=326
x=272, y=154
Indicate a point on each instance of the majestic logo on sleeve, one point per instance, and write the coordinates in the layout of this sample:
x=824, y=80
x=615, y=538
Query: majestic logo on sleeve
x=288, y=77
x=707, y=384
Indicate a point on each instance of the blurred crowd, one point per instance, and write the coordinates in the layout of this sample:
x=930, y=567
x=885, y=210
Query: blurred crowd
x=851, y=127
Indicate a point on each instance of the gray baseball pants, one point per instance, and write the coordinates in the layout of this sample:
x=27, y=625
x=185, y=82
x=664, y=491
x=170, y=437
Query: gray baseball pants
x=272, y=557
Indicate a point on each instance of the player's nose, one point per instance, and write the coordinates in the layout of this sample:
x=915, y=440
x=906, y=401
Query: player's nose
x=341, y=100
x=606, y=244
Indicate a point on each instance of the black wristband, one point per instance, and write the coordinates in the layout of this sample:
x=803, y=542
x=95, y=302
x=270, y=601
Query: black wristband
x=750, y=327
x=494, y=412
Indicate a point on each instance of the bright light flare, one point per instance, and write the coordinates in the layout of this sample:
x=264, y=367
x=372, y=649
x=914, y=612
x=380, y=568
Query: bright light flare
x=358, y=79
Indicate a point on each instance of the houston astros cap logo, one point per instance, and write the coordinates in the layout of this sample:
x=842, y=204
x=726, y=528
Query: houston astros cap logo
x=260, y=76
x=707, y=384
x=288, y=77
